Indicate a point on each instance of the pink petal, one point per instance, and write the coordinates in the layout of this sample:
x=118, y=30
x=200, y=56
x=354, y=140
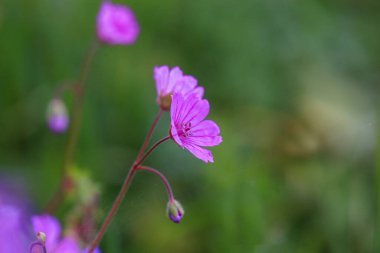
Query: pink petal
x=199, y=91
x=50, y=226
x=95, y=251
x=67, y=245
x=175, y=76
x=185, y=85
x=201, y=153
x=161, y=75
x=191, y=81
x=195, y=110
x=176, y=108
x=116, y=24
x=174, y=134
x=205, y=133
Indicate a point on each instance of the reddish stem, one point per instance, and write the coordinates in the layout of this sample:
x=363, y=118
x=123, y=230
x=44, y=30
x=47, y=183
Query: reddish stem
x=147, y=153
x=147, y=138
x=121, y=195
x=37, y=244
x=113, y=210
x=163, y=179
x=73, y=134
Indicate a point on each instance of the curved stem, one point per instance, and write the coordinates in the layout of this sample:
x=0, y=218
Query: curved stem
x=121, y=195
x=147, y=138
x=38, y=244
x=147, y=153
x=163, y=179
x=62, y=87
x=79, y=91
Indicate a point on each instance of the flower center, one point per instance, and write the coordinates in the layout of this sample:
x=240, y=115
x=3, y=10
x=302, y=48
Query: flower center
x=185, y=129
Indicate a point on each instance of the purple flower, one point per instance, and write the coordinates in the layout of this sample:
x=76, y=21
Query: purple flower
x=188, y=127
x=116, y=24
x=57, y=117
x=174, y=81
x=13, y=235
x=54, y=244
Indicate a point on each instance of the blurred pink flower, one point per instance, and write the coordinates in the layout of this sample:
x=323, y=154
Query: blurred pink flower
x=188, y=127
x=171, y=81
x=57, y=117
x=13, y=232
x=54, y=243
x=116, y=24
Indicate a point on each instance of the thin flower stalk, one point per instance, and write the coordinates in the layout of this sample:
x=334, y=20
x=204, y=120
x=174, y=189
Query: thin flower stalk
x=149, y=135
x=37, y=244
x=73, y=134
x=163, y=179
x=123, y=191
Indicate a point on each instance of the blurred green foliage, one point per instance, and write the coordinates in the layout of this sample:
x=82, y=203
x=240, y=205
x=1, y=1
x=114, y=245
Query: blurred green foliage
x=293, y=85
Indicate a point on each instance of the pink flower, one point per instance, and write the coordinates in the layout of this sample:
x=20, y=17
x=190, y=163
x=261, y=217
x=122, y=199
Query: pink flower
x=58, y=119
x=116, y=24
x=54, y=243
x=188, y=127
x=171, y=81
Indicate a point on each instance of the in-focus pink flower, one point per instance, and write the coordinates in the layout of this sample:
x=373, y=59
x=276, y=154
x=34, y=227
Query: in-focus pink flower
x=173, y=81
x=116, y=24
x=189, y=129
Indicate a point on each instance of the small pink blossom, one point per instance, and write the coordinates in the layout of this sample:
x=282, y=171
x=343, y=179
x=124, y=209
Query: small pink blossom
x=171, y=81
x=54, y=243
x=57, y=116
x=189, y=129
x=116, y=24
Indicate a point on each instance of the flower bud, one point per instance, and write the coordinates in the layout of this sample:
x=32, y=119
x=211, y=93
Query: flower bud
x=57, y=117
x=41, y=236
x=175, y=211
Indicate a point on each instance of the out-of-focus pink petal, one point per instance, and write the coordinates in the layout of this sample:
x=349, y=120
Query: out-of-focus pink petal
x=175, y=77
x=50, y=226
x=12, y=234
x=201, y=153
x=161, y=76
x=97, y=250
x=184, y=86
x=67, y=245
x=116, y=24
x=191, y=81
x=199, y=91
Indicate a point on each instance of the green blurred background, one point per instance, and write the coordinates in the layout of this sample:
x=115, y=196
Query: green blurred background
x=293, y=85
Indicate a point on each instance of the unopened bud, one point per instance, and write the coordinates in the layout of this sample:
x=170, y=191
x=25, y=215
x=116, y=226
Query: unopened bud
x=41, y=236
x=57, y=117
x=175, y=211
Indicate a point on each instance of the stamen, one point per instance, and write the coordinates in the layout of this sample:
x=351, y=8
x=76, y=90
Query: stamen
x=186, y=129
